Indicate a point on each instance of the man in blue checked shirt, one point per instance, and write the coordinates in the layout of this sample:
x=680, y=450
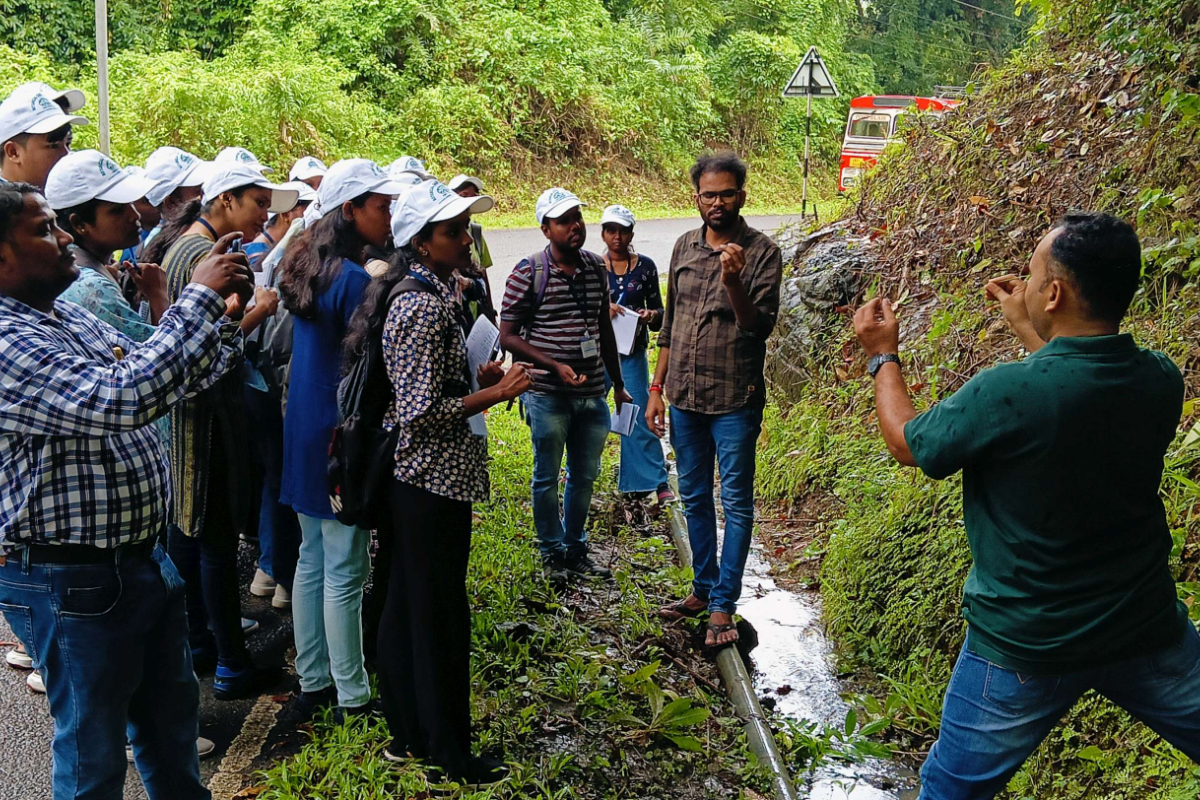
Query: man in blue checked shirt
x=84, y=493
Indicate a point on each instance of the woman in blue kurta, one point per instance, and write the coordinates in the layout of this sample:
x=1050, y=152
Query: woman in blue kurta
x=322, y=283
x=633, y=283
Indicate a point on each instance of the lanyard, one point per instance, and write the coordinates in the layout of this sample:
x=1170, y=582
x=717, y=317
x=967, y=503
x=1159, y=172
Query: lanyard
x=268, y=237
x=211, y=229
x=580, y=305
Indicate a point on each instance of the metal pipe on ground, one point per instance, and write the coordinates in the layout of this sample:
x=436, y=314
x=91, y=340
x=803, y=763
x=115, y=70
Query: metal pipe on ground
x=736, y=679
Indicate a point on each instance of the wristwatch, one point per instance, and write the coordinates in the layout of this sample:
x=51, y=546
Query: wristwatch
x=877, y=361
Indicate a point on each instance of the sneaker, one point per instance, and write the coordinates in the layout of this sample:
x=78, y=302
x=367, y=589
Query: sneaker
x=342, y=713
x=249, y=625
x=233, y=684
x=484, y=773
x=665, y=495
x=403, y=757
x=582, y=566
x=263, y=584
x=555, y=572
x=282, y=599
x=309, y=703
x=204, y=749
x=17, y=658
x=35, y=682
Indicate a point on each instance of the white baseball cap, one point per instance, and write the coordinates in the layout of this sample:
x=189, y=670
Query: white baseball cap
x=240, y=155
x=90, y=175
x=307, y=194
x=408, y=164
x=69, y=100
x=431, y=201
x=459, y=181
x=619, y=215
x=34, y=108
x=555, y=202
x=225, y=177
x=351, y=178
x=307, y=167
x=171, y=168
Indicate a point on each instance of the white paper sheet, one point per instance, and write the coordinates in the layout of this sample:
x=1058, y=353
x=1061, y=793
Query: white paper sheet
x=622, y=421
x=625, y=327
x=481, y=346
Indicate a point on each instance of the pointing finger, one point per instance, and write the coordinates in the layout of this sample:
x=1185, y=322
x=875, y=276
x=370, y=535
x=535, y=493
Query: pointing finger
x=221, y=246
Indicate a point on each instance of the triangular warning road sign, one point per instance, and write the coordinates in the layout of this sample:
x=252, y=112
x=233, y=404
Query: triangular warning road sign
x=811, y=78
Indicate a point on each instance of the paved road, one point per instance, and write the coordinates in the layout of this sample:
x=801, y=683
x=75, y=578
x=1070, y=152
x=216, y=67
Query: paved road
x=654, y=238
x=25, y=724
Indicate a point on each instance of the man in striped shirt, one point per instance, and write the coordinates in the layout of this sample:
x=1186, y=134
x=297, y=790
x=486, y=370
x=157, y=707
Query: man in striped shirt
x=555, y=315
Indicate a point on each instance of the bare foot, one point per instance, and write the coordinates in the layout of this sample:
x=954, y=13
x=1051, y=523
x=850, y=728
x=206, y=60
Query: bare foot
x=720, y=630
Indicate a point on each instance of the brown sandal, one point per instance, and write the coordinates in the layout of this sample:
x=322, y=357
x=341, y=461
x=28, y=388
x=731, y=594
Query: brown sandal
x=716, y=630
x=680, y=610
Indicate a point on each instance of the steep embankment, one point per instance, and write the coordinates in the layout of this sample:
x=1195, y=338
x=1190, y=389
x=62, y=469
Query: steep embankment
x=1101, y=113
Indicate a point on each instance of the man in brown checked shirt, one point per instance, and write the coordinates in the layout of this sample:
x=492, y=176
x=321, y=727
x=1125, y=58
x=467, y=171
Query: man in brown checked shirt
x=722, y=303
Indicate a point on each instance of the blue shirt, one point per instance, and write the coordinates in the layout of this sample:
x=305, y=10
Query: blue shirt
x=312, y=392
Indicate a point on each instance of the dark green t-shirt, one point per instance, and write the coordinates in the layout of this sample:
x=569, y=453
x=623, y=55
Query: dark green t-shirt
x=1062, y=457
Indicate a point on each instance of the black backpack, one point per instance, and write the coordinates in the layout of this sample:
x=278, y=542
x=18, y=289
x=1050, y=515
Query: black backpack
x=362, y=454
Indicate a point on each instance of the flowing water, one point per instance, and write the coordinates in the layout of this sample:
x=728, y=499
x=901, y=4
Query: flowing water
x=794, y=652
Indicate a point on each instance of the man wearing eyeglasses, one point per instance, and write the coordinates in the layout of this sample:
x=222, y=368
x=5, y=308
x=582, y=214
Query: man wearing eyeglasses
x=722, y=302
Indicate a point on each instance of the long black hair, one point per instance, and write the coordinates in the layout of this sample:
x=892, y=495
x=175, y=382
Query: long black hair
x=370, y=315
x=174, y=226
x=315, y=260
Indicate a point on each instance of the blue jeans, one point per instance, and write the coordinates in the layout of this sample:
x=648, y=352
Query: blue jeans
x=993, y=717
x=327, y=599
x=111, y=642
x=729, y=440
x=580, y=425
x=643, y=467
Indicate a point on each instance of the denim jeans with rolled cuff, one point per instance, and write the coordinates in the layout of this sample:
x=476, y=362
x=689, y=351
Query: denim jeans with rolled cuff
x=727, y=441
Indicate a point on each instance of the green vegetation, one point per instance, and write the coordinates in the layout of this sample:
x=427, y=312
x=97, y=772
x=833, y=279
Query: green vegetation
x=588, y=695
x=1100, y=113
x=612, y=97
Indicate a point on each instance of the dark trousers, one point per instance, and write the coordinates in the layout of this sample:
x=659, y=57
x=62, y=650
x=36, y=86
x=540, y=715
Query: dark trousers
x=425, y=634
x=208, y=565
x=278, y=528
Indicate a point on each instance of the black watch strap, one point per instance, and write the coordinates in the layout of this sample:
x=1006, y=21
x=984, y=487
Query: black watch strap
x=877, y=361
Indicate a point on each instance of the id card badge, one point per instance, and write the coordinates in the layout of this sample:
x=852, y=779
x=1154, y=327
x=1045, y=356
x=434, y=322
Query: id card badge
x=589, y=347
x=478, y=425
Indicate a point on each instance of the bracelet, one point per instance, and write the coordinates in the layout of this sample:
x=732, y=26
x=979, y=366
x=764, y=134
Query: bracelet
x=656, y=387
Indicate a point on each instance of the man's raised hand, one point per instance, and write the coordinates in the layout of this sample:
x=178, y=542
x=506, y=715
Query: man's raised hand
x=876, y=327
x=224, y=272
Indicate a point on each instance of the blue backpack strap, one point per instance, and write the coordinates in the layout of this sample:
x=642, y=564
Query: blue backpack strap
x=539, y=276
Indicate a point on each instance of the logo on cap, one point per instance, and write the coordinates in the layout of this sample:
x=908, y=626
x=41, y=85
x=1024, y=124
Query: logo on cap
x=245, y=157
x=182, y=160
x=312, y=163
x=107, y=167
x=557, y=195
x=413, y=163
x=438, y=192
x=377, y=171
x=41, y=103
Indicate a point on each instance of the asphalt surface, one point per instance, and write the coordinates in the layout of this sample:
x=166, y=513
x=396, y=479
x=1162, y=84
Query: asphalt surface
x=654, y=238
x=26, y=728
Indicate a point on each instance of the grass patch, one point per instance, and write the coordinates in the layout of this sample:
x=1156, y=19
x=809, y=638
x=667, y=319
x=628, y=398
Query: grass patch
x=595, y=700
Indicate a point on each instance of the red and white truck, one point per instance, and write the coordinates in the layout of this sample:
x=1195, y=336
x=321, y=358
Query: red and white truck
x=872, y=124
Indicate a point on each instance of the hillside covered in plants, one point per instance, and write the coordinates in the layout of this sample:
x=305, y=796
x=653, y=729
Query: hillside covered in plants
x=1101, y=111
x=604, y=93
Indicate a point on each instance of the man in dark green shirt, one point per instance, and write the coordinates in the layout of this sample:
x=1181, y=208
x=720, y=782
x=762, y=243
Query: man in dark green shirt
x=1062, y=458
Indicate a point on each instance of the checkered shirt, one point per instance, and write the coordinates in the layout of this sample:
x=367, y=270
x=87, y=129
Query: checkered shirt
x=79, y=461
x=715, y=367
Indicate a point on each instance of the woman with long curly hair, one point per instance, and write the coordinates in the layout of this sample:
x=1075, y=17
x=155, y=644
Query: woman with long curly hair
x=322, y=282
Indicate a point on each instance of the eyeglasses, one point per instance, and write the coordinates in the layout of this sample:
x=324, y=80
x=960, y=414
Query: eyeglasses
x=711, y=198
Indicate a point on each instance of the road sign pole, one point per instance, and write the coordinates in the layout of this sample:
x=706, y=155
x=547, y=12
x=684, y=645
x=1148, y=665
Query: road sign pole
x=807, y=134
x=102, y=73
